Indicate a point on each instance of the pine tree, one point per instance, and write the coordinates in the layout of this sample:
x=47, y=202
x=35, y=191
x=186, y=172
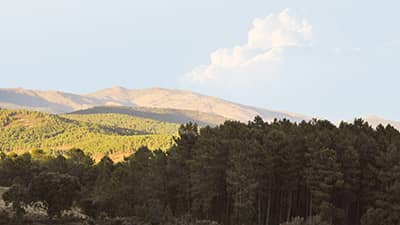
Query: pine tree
x=323, y=179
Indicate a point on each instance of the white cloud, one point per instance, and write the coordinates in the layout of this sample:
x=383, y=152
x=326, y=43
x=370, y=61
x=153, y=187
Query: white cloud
x=260, y=57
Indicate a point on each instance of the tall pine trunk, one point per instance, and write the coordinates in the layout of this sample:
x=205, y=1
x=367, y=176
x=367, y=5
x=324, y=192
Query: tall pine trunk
x=259, y=208
x=290, y=201
x=311, y=205
x=269, y=205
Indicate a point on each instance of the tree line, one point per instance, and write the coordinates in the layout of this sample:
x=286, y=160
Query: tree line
x=257, y=173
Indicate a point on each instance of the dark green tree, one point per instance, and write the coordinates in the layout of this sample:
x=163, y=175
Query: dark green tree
x=57, y=191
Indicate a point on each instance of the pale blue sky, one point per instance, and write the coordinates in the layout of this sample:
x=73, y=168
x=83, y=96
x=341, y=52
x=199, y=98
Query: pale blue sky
x=338, y=59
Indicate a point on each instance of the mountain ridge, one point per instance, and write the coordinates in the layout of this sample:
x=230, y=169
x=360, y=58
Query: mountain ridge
x=59, y=102
x=64, y=102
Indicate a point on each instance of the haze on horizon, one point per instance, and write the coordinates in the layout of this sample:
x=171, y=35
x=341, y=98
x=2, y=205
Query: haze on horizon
x=336, y=60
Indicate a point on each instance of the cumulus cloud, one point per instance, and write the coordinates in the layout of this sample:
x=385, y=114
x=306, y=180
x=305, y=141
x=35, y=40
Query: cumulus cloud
x=260, y=57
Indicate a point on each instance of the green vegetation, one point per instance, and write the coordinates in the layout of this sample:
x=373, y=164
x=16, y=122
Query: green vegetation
x=165, y=115
x=22, y=130
x=139, y=124
x=311, y=173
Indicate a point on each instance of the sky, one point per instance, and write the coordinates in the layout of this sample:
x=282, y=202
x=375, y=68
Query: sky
x=330, y=59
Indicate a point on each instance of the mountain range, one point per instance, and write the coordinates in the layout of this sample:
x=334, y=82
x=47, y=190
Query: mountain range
x=178, y=105
x=62, y=102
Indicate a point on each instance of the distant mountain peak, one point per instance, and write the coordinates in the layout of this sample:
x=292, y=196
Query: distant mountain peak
x=372, y=116
x=120, y=88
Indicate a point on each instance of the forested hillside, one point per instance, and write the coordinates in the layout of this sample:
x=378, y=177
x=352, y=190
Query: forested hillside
x=311, y=173
x=138, y=124
x=22, y=130
x=159, y=114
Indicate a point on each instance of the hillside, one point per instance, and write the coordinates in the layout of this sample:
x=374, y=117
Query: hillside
x=116, y=120
x=46, y=101
x=61, y=102
x=23, y=130
x=186, y=100
x=162, y=115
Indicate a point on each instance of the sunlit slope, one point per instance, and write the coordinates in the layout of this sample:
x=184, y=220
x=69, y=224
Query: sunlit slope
x=23, y=130
x=157, y=114
x=138, y=124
